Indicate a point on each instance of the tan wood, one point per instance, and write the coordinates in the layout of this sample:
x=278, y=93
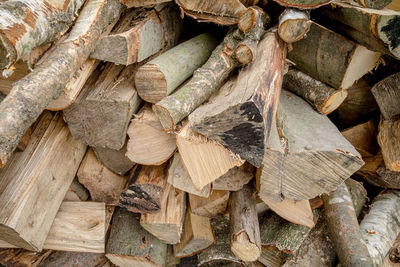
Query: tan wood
x=235, y=178
x=386, y=94
x=76, y=192
x=389, y=141
x=293, y=25
x=22, y=258
x=213, y=206
x=363, y=138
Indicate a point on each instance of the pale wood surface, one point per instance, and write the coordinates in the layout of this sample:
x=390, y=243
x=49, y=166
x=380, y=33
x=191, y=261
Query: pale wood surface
x=213, y=206
x=235, y=178
x=363, y=138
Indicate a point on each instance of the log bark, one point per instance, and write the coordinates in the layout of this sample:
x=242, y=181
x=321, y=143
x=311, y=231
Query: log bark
x=145, y=191
x=244, y=227
x=322, y=97
x=76, y=192
x=142, y=3
x=386, y=94
x=374, y=4
x=209, y=77
x=35, y=181
x=62, y=258
x=140, y=34
x=159, y=77
x=22, y=258
x=303, y=4
x=29, y=24
x=388, y=140
x=235, y=178
x=332, y=59
x=307, y=166
x=30, y=96
x=148, y=143
x=240, y=116
x=103, y=185
x=130, y=245
x=293, y=25
x=213, y=206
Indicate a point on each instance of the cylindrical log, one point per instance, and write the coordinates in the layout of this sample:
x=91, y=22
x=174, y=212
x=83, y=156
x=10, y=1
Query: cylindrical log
x=293, y=25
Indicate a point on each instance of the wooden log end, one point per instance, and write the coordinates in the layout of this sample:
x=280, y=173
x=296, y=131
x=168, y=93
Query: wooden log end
x=155, y=90
x=165, y=118
x=247, y=19
x=333, y=101
x=244, y=54
x=243, y=248
x=293, y=25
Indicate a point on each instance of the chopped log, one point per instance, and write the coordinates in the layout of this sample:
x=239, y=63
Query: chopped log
x=167, y=224
x=31, y=95
x=180, y=179
x=140, y=34
x=389, y=141
x=145, y=191
x=293, y=25
x=298, y=212
x=303, y=4
x=22, y=258
x=386, y=93
x=76, y=192
x=63, y=258
x=235, y=178
x=307, y=165
x=322, y=97
x=103, y=185
x=142, y=3
x=35, y=181
x=163, y=74
x=344, y=229
x=205, y=160
x=114, y=160
x=101, y=114
x=197, y=236
x=148, y=143
x=381, y=226
x=339, y=66
x=225, y=12
x=213, y=206
x=363, y=138
x=130, y=245
x=209, y=77
x=244, y=227
x=241, y=115
x=27, y=25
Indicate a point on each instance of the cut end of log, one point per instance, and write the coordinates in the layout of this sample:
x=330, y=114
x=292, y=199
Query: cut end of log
x=247, y=20
x=154, y=91
x=165, y=118
x=243, y=248
x=244, y=54
x=293, y=25
x=334, y=101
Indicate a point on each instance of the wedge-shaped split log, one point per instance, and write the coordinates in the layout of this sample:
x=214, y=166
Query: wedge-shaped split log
x=235, y=178
x=213, y=206
x=309, y=157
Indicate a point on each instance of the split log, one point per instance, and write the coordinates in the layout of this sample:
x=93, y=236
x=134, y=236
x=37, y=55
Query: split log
x=241, y=115
x=62, y=258
x=148, y=143
x=197, y=236
x=344, y=229
x=180, y=179
x=101, y=114
x=114, y=160
x=145, y=191
x=35, y=181
x=103, y=185
x=235, y=178
x=225, y=12
x=142, y=3
x=205, y=160
x=332, y=59
x=363, y=138
x=130, y=245
x=389, y=141
x=244, y=227
x=31, y=95
x=27, y=25
x=322, y=97
x=209, y=77
x=76, y=192
x=387, y=95
x=140, y=34
x=167, y=224
x=213, y=206
x=293, y=25
x=22, y=258
x=303, y=167
x=163, y=74
x=381, y=226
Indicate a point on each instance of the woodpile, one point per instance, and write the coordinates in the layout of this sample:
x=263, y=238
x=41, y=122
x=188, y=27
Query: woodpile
x=176, y=133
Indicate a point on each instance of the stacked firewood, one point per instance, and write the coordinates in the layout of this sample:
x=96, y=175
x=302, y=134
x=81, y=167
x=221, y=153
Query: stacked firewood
x=131, y=134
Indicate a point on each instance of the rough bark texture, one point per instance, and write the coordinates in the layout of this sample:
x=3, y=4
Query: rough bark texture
x=142, y=3
x=30, y=95
x=387, y=95
x=62, y=258
x=322, y=97
x=240, y=116
x=374, y=4
x=22, y=258
x=389, y=141
x=293, y=25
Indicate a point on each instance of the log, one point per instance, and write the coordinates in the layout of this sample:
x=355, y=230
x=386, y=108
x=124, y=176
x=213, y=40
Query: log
x=63, y=258
x=213, y=206
x=387, y=96
x=374, y=4
x=115, y=160
x=339, y=66
x=103, y=185
x=380, y=227
x=142, y=3
x=392, y=258
x=303, y=4
x=140, y=34
x=130, y=245
x=244, y=227
x=344, y=229
x=148, y=143
x=22, y=258
x=322, y=97
x=179, y=178
x=30, y=95
x=388, y=140
x=145, y=191
x=363, y=138
x=209, y=77
x=27, y=25
x=76, y=192
x=204, y=160
x=241, y=115
x=159, y=77
x=293, y=25
x=303, y=167
x=168, y=223
x=171, y=260
x=101, y=114
x=197, y=236
x=235, y=178
x=35, y=181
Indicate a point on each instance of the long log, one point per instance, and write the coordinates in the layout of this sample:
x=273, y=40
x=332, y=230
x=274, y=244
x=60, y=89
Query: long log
x=31, y=95
x=386, y=94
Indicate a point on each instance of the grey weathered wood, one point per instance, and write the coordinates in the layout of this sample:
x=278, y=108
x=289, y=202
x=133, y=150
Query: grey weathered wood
x=64, y=258
x=387, y=95
x=235, y=178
